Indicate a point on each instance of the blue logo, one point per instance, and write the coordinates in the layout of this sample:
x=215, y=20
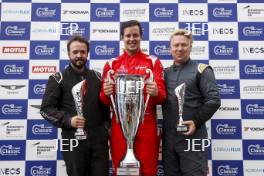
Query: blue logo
x=40, y=129
x=160, y=49
x=69, y=29
x=223, y=50
x=252, y=109
x=226, y=129
x=15, y=31
x=46, y=12
x=251, y=31
x=251, y=69
x=227, y=168
x=105, y=12
x=253, y=149
x=12, y=150
x=37, y=88
x=40, y=168
x=228, y=89
x=199, y=30
x=44, y=50
x=13, y=69
x=222, y=12
x=104, y=50
x=163, y=12
x=13, y=109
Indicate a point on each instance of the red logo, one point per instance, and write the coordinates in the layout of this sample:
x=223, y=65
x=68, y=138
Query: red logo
x=43, y=69
x=14, y=49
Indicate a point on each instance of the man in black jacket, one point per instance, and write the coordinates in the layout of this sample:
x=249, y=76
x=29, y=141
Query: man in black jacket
x=90, y=157
x=201, y=101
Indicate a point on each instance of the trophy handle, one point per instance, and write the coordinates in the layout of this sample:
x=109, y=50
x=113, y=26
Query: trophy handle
x=150, y=79
x=110, y=80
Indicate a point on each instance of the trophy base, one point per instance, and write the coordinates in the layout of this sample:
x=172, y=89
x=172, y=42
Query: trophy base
x=182, y=128
x=80, y=134
x=128, y=170
x=129, y=165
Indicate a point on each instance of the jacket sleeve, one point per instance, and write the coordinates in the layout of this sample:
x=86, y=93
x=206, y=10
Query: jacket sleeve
x=211, y=96
x=158, y=74
x=103, y=98
x=50, y=105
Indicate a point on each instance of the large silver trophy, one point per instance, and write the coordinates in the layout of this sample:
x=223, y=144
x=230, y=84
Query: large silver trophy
x=180, y=92
x=80, y=134
x=130, y=110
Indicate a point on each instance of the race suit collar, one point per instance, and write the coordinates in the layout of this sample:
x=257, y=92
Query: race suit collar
x=138, y=53
x=176, y=67
x=77, y=72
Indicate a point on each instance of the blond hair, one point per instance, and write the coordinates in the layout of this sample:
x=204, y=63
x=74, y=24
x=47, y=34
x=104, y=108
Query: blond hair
x=182, y=32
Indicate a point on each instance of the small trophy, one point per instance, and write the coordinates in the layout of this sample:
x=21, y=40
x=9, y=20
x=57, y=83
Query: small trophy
x=77, y=94
x=179, y=92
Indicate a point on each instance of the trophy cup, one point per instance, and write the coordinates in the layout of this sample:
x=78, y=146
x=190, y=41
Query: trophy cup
x=80, y=134
x=179, y=92
x=130, y=108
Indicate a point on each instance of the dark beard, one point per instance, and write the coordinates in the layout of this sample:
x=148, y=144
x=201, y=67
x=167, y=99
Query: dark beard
x=78, y=66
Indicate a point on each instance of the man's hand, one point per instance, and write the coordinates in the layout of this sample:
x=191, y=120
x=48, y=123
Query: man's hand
x=152, y=89
x=78, y=122
x=108, y=88
x=191, y=127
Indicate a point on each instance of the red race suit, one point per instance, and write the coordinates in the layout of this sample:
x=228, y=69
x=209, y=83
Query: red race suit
x=146, y=144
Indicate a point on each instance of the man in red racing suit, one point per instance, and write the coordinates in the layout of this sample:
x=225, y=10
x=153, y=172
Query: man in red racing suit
x=146, y=144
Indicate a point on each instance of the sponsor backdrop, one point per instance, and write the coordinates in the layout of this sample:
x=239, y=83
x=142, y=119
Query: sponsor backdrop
x=229, y=35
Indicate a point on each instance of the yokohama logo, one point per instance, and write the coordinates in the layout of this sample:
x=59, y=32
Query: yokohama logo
x=14, y=49
x=43, y=69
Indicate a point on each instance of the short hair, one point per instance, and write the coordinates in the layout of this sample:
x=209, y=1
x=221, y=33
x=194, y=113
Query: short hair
x=182, y=32
x=130, y=23
x=78, y=39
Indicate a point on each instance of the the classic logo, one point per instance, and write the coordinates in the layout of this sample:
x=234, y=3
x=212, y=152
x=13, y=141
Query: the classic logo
x=104, y=12
x=225, y=129
x=226, y=170
x=40, y=171
x=13, y=69
x=11, y=109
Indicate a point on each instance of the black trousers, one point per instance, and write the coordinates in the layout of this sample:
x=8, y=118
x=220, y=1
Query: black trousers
x=90, y=157
x=177, y=162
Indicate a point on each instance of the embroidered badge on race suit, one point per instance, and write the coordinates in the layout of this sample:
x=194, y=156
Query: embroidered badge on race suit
x=57, y=76
x=201, y=67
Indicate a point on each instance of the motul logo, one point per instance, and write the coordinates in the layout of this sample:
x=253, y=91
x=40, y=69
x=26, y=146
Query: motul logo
x=14, y=49
x=43, y=69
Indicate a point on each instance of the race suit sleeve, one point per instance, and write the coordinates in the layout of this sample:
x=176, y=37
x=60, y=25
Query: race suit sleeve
x=158, y=74
x=50, y=103
x=104, y=99
x=211, y=96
